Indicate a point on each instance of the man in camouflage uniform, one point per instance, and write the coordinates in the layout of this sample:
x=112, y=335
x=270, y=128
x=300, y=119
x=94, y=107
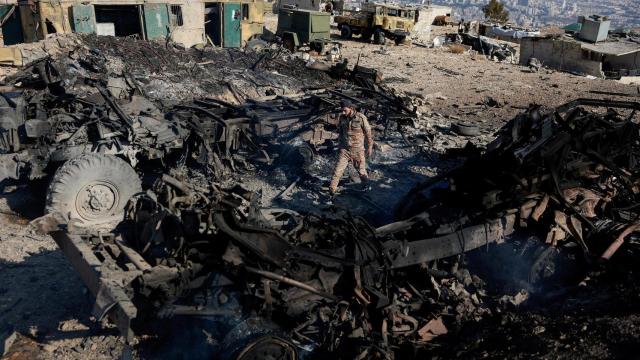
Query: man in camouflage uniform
x=353, y=128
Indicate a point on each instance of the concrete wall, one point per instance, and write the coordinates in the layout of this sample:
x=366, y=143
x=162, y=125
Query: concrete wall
x=559, y=54
x=422, y=29
x=626, y=62
x=192, y=30
x=428, y=14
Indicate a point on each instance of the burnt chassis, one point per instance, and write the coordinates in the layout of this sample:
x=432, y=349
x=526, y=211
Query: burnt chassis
x=223, y=129
x=107, y=265
x=107, y=268
x=216, y=134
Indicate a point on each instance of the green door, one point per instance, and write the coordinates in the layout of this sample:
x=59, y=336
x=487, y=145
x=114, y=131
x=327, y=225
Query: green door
x=231, y=25
x=156, y=21
x=12, y=26
x=84, y=19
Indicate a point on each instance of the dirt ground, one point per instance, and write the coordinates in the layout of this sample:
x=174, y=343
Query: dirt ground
x=41, y=295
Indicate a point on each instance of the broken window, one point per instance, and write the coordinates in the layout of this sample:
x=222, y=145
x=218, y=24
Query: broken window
x=118, y=20
x=378, y=11
x=245, y=11
x=176, y=15
x=392, y=12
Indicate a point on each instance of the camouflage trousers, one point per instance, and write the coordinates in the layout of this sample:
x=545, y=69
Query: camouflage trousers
x=355, y=156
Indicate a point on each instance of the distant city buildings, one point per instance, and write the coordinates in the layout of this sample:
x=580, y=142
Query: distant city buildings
x=536, y=13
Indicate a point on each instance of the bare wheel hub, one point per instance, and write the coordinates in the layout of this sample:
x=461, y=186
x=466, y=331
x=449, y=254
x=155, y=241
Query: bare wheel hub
x=97, y=199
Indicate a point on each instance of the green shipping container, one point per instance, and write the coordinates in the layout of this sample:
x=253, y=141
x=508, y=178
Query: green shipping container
x=307, y=25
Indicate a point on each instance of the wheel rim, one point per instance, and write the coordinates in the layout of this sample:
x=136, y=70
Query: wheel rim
x=96, y=200
x=268, y=347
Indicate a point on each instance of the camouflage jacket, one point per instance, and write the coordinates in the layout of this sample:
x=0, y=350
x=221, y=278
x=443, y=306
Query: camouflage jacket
x=353, y=130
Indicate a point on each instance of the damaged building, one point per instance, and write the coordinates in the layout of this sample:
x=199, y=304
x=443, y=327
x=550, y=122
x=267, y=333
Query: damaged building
x=592, y=51
x=222, y=23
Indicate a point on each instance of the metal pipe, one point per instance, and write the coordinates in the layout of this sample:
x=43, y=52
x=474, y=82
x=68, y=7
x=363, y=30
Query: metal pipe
x=289, y=281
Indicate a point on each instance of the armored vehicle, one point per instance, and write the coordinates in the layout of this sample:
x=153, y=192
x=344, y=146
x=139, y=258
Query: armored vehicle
x=382, y=21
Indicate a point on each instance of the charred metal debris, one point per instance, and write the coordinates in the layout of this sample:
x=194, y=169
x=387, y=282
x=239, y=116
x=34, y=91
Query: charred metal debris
x=97, y=107
x=293, y=285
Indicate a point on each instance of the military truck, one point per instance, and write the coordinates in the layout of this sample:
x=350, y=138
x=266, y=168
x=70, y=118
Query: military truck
x=382, y=21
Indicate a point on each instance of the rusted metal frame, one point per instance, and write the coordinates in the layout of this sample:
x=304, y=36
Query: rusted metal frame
x=119, y=307
x=215, y=117
x=402, y=254
x=114, y=106
x=343, y=95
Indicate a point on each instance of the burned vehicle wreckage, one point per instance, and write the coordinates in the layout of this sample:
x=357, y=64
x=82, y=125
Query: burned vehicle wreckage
x=93, y=142
x=290, y=285
x=196, y=258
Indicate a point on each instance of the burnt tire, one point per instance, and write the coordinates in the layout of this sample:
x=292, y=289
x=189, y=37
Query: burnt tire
x=346, y=32
x=257, y=45
x=92, y=188
x=379, y=37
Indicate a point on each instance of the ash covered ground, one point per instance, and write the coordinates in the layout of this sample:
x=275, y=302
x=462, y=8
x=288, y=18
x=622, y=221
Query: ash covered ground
x=487, y=313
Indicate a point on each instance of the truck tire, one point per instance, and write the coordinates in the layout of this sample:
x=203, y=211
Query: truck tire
x=346, y=32
x=399, y=39
x=257, y=45
x=379, y=37
x=92, y=188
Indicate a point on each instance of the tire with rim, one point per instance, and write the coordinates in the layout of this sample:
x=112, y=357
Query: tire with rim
x=92, y=188
x=257, y=45
x=379, y=37
x=345, y=32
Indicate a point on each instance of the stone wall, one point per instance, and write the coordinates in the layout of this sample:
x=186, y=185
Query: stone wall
x=559, y=54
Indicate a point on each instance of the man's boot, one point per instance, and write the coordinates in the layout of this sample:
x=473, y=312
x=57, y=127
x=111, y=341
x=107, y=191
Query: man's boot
x=364, y=184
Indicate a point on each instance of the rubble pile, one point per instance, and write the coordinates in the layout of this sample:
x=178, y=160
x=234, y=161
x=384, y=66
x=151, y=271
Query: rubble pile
x=567, y=177
x=311, y=285
x=66, y=107
x=166, y=71
x=332, y=285
x=194, y=256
